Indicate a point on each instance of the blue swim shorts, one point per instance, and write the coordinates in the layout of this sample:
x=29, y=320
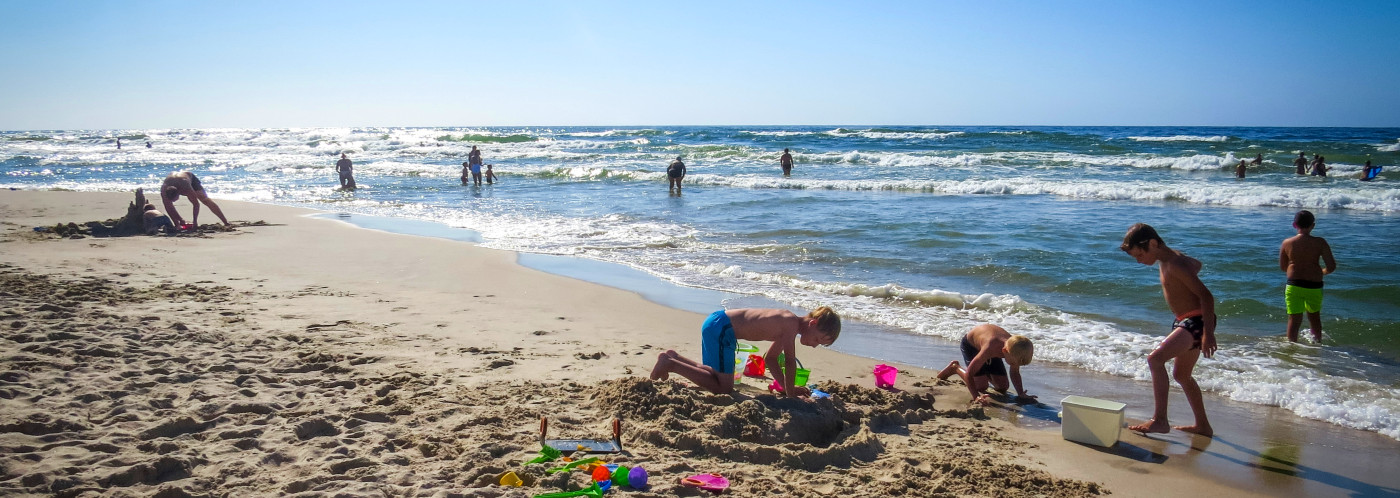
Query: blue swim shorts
x=717, y=343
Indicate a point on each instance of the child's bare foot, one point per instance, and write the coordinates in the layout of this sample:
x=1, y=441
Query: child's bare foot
x=1151, y=426
x=1196, y=429
x=948, y=371
x=663, y=366
x=1317, y=336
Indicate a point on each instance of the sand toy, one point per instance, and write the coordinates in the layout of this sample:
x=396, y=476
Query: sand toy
x=707, y=482
x=885, y=376
x=547, y=454
x=585, y=463
x=584, y=445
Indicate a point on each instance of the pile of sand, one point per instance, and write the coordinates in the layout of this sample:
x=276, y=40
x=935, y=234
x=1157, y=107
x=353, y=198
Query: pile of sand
x=180, y=390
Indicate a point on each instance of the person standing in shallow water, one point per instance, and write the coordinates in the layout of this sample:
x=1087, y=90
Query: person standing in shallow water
x=786, y=163
x=346, y=170
x=474, y=163
x=674, y=174
x=1297, y=258
x=1300, y=165
x=1239, y=170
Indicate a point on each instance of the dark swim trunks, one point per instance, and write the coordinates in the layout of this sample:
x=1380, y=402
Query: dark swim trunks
x=1194, y=324
x=194, y=183
x=993, y=366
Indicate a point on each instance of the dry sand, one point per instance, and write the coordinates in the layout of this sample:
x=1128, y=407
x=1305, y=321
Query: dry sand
x=306, y=357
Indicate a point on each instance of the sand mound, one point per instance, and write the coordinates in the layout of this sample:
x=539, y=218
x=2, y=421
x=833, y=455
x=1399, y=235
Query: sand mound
x=180, y=390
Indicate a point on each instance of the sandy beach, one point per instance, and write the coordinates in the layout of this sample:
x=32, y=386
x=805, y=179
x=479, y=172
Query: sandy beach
x=304, y=356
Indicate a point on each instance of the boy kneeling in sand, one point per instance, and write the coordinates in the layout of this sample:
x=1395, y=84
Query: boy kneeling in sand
x=721, y=332
x=983, y=347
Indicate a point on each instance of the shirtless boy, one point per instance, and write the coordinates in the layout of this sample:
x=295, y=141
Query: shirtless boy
x=186, y=184
x=1297, y=258
x=723, y=329
x=1192, y=333
x=674, y=174
x=983, y=347
x=786, y=162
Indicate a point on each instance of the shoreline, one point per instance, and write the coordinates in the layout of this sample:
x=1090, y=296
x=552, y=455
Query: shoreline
x=1137, y=463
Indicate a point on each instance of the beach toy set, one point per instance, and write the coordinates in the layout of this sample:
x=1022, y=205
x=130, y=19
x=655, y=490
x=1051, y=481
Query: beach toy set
x=799, y=378
x=603, y=475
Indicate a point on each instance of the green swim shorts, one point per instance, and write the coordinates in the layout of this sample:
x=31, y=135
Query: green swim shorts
x=1299, y=299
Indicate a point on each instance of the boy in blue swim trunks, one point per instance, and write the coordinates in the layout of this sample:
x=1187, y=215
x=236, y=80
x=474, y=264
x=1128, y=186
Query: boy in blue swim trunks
x=1192, y=333
x=1297, y=258
x=721, y=332
x=983, y=347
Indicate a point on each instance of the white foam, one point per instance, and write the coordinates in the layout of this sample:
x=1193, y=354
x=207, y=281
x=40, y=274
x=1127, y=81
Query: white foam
x=1182, y=138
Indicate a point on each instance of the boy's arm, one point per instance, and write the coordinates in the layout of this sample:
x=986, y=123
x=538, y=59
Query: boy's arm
x=1283, y=257
x=977, y=362
x=1015, y=375
x=784, y=371
x=1327, y=258
x=170, y=208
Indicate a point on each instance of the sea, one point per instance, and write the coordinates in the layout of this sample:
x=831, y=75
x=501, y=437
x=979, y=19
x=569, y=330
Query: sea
x=923, y=230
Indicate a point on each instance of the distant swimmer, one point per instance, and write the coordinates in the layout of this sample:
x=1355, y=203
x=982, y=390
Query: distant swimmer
x=186, y=184
x=148, y=144
x=466, y=173
x=347, y=172
x=1300, y=165
x=474, y=162
x=674, y=174
x=490, y=175
x=1258, y=159
x=1239, y=170
x=786, y=163
x=1319, y=166
x=1369, y=172
x=119, y=143
x=1298, y=257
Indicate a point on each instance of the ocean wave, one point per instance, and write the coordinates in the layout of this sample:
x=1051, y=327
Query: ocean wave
x=1395, y=147
x=1182, y=138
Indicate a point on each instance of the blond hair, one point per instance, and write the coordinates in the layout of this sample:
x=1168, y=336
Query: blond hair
x=1019, y=350
x=828, y=322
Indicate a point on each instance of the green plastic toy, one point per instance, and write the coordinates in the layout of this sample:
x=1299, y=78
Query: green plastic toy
x=547, y=454
x=572, y=465
x=593, y=491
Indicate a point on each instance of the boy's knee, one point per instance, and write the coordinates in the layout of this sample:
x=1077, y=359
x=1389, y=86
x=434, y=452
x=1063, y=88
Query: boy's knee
x=1183, y=378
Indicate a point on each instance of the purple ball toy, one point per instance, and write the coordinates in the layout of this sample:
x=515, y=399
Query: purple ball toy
x=637, y=477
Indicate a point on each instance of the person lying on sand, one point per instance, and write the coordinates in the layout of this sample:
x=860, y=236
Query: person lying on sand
x=723, y=329
x=983, y=347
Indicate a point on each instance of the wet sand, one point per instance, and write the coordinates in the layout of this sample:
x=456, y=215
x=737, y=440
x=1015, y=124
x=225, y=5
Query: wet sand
x=311, y=357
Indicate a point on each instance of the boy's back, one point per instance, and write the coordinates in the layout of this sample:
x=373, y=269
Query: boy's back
x=1300, y=255
x=757, y=324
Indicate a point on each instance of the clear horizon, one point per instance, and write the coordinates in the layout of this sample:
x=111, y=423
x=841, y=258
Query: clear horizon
x=168, y=64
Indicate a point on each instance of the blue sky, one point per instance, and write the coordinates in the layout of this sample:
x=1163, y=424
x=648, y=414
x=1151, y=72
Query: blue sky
x=142, y=64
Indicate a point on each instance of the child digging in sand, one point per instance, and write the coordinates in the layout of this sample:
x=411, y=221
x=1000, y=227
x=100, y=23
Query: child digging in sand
x=983, y=347
x=721, y=332
x=1192, y=333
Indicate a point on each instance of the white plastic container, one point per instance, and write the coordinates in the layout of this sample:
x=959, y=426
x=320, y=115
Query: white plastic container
x=1091, y=421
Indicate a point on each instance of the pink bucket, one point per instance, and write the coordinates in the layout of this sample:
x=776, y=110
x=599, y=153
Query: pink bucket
x=885, y=375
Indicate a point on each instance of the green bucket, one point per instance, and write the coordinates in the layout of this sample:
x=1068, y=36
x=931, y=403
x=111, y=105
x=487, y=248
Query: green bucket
x=799, y=378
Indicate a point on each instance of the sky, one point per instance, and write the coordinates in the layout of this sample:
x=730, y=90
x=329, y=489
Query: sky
x=180, y=64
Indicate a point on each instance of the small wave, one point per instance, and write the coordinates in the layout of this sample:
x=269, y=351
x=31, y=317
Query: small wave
x=1182, y=138
x=498, y=139
x=1395, y=147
